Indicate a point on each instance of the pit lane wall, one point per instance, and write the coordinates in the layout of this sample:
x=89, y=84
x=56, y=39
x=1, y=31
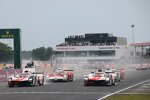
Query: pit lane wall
x=5, y=73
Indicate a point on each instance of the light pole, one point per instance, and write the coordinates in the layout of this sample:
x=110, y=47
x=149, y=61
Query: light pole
x=132, y=26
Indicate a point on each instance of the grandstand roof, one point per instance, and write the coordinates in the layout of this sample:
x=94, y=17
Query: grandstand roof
x=140, y=44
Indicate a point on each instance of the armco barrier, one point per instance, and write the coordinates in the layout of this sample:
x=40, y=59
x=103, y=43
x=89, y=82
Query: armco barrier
x=4, y=74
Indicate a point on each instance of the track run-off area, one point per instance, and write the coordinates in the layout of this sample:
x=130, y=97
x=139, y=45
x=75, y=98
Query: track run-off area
x=72, y=90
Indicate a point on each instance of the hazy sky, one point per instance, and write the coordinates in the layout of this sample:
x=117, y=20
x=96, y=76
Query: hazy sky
x=47, y=22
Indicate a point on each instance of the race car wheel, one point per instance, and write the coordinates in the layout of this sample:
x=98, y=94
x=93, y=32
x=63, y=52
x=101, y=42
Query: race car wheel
x=109, y=83
x=42, y=81
x=86, y=83
x=71, y=78
x=10, y=85
x=113, y=82
x=122, y=76
x=34, y=81
x=39, y=82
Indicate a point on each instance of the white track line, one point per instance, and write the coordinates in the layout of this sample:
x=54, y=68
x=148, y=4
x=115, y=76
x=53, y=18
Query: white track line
x=134, y=93
x=85, y=93
x=123, y=89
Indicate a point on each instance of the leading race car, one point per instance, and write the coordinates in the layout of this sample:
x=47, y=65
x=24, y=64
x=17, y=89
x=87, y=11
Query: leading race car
x=60, y=75
x=26, y=78
x=99, y=78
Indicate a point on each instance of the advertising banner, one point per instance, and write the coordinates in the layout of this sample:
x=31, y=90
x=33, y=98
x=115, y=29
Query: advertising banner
x=4, y=74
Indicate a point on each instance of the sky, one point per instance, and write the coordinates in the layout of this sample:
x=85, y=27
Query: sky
x=46, y=23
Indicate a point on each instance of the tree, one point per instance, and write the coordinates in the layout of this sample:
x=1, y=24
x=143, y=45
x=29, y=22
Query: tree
x=147, y=55
x=26, y=54
x=42, y=53
x=6, y=53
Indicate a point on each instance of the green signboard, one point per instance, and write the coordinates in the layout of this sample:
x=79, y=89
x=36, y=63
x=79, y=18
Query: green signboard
x=14, y=34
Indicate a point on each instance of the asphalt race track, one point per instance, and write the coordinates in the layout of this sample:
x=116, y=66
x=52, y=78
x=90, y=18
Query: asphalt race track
x=71, y=90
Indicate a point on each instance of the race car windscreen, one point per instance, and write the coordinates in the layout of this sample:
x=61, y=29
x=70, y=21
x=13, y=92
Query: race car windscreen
x=98, y=74
x=22, y=75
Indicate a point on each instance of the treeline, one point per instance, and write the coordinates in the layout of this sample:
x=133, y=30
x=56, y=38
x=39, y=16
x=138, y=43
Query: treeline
x=147, y=55
x=6, y=53
x=42, y=53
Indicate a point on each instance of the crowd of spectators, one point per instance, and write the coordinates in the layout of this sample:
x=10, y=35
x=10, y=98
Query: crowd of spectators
x=86, y=44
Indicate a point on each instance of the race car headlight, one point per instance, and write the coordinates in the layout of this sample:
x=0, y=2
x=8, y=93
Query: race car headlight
x=86, y=78
x=65, y=76
x=107, y=78
x=9, y=79
x=30, y=79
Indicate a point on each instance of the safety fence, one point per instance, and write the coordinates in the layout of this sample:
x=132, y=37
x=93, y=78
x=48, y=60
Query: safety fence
x=4, y=74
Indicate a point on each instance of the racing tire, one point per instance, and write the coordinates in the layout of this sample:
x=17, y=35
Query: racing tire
x=86, y=83
x=113, y=82
x=109, y=83
x=122, y=76
x=10, y=85
x=38, y=82
x=117, y=80
x=71, y=79
x=34, y=81
x=52, y=81
x=42, y=81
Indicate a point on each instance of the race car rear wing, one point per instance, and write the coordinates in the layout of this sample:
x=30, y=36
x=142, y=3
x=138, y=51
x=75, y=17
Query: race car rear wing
x=38, y=73
x=68, y=70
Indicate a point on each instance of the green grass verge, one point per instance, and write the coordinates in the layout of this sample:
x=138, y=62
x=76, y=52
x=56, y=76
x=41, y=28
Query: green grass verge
x=129, y=97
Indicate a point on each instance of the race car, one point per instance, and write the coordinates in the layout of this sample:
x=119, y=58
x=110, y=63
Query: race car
x=60, y=75
x=122, y=73
x=36, y=78
x=141, y=67
x=116, y=73
x=99, y=78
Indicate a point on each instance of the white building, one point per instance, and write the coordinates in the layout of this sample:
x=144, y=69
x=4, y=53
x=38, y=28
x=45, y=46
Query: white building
x=95, y=47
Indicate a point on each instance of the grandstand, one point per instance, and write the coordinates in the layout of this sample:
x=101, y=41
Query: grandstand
x=94, y=39
x=93, y=47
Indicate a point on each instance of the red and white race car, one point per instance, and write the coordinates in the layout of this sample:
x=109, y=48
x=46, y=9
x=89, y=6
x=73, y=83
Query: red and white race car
x=60, y=75
x=117, y=73
x=99, y=78
x=36, y=78
x=122, y=73
x=141, y=67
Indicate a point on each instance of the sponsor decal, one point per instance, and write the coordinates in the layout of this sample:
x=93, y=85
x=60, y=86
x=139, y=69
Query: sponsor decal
x=7, y=35
x=109, y=47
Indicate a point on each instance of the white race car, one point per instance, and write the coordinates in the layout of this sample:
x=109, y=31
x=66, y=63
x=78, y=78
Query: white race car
x=99, y=78
x=36, y=78
x=116, y=73
x=60, y=75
